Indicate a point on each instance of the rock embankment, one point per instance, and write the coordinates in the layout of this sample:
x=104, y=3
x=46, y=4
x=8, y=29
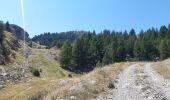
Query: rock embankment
x=11, y=76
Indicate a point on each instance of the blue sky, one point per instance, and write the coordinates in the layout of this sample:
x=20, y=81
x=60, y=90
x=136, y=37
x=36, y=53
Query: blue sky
x=66, y=15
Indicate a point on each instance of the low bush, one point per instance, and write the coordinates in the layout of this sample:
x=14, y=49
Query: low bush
x=35, y=72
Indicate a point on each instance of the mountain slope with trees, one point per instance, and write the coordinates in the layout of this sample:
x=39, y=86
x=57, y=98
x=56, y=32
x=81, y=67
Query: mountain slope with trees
x=56, y=39
x=90, y=50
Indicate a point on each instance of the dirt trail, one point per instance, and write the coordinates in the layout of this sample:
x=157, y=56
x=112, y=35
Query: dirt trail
x=139, y=82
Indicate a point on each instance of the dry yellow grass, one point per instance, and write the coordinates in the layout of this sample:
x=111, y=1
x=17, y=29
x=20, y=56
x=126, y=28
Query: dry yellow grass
x=24, y=90
x=162, y=68
x=50, y=67
x=86, y=87
x=54, y=83
x=51, y=71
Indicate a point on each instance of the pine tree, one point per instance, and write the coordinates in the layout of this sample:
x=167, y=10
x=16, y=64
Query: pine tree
x=65, y=56
x=91, y=49
x=168, y=36
x=165, y=49
x=132, y=33
x=1, y=31
x=84, y=52
x=99, y=64
x=106, y=58
x=99, y=48
x=137, y=50
x=130, y=46
x=163, y=31
x=7, y=27
x=77, y=53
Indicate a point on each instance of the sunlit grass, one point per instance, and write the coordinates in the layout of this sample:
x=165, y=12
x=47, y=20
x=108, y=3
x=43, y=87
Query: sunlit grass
x=50, y=70
x=162, y=69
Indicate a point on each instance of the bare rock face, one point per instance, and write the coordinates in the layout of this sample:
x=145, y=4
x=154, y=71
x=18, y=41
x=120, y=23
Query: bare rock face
x=12, y=76
x=19, y=32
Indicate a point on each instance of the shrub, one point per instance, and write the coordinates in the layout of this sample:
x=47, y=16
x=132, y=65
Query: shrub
x=111, y=85
x=35, y=72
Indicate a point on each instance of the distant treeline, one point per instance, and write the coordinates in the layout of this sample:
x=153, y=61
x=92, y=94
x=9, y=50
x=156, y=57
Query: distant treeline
x=56, y=39
x=86, y=50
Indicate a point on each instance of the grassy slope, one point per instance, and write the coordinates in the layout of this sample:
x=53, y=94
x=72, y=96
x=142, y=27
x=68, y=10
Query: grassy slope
x=90, y=85
x=50, y=69
x=49, y=66
x=163, y=68
x=54, y=79
x=86, y=87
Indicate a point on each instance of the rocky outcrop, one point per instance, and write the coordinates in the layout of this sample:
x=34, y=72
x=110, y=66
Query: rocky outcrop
x=12, y=76
x=19, y=32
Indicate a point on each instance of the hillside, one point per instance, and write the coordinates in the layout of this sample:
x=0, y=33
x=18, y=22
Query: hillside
x=84, y=65
x=19, y=62
x=85, y=50
x=57, y=39
x=40, y=59
x=90, y=49
x=8, y=46
x=133, y=80
x=19, y=32
x=15, y=30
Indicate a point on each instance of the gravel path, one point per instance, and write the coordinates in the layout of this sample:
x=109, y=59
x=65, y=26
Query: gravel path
x=138, y=82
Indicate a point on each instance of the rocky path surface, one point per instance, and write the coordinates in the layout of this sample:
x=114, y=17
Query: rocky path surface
x=138, y=82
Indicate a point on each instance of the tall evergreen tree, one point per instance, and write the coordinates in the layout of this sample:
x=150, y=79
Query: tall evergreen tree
x=168, y=36
x=65, y=56
x=77, y=53
x=90, y=49
x=7, y=27
x=165, y=49
x=163, y=31
x=132, y=33
x=2, y=58
x=1, y=31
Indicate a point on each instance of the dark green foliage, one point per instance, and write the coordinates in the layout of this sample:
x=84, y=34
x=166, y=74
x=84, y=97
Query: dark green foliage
x=7, y=27
x=35, y=72
x=145, y=50
x=107, y=58
x=132, y=33
x=2, y=57
x=83, y=56
x=56, y=39
x=163, y=31
x=77, y=53
x=1, y=31
x=56, y=43
x=99, y=64
x=165, y=49
x=85, y=50
x=30, y=44
x=66, y=55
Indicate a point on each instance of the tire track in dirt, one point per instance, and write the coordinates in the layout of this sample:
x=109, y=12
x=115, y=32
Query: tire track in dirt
x=139, y=82
x=157, y=87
